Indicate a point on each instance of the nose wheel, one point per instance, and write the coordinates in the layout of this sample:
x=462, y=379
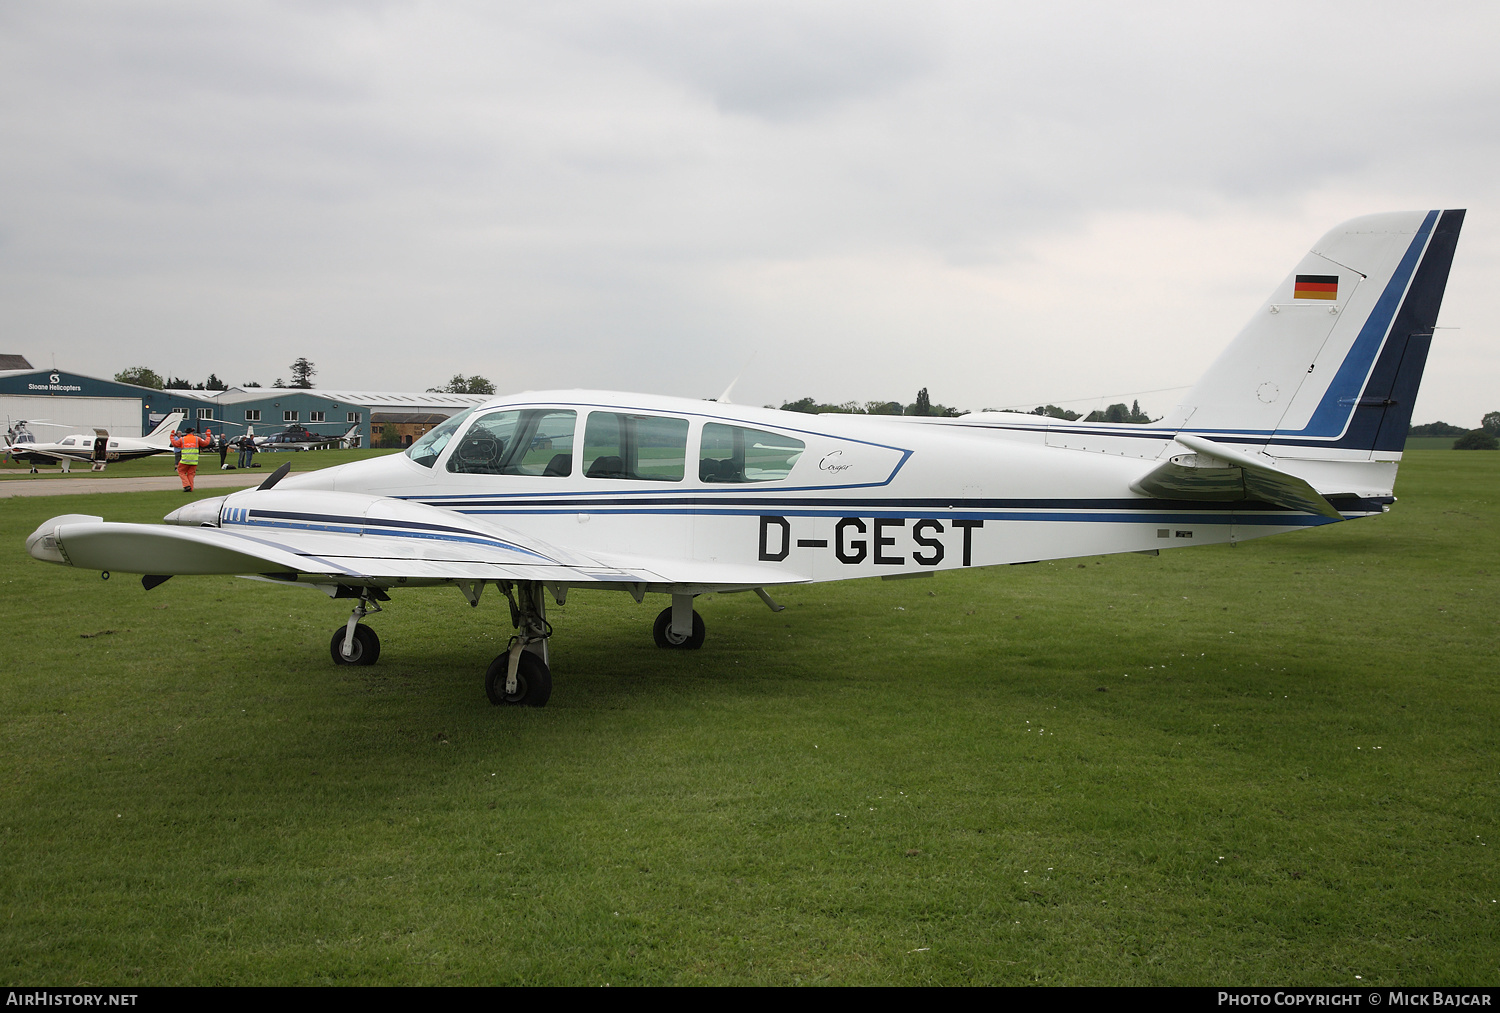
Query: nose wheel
x=668, y=636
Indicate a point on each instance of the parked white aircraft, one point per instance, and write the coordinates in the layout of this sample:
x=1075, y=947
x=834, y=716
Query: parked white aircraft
x=1300, y=422
x=98, y=447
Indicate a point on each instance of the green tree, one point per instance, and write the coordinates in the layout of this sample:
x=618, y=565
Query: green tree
x=805, y=405
x=1436, y=429
x=922, y=405
x=302, y=374
x=1491, y=423
x=251, y=383
x=141, y=377
x=1478, y=439
x=1054, y=412
x=884, y=408
x=460, y=384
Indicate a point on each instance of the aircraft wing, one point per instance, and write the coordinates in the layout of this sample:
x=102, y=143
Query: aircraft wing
x=347, y=538
x=84, y=456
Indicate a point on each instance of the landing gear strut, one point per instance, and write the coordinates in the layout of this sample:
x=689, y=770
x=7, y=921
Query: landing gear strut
x=679, y=627
x=520, y=676
x=353, y=644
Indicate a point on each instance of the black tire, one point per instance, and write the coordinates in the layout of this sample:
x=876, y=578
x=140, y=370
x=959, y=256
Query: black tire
x=366, y=647
x=533, y=681
x=662, y=631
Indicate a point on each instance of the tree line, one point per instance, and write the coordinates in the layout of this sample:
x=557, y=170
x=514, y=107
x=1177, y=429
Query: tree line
x=302, y=372
x=1486, y=437
x=923, y=405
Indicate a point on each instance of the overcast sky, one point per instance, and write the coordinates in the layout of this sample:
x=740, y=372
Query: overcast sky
x=1008, y=204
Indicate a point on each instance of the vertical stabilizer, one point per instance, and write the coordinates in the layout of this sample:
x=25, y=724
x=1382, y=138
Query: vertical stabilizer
x=1335, y=356
x=160, y=435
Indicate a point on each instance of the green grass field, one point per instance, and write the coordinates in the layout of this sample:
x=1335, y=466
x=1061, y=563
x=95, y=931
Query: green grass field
x=1271, y=764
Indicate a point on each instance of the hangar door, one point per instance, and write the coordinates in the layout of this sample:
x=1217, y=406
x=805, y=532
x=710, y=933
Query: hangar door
x=120, y=415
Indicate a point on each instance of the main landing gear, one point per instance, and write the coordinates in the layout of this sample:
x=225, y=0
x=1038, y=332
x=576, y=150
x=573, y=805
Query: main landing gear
x=353, y=644
x=679, y=627
x=520, y=676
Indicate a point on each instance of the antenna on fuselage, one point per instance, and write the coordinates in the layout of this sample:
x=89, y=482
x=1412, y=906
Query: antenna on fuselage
x=275, y=476
x=724, y=397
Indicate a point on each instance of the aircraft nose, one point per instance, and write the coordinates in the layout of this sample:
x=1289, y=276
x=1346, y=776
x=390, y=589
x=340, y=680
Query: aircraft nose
x=197, y=513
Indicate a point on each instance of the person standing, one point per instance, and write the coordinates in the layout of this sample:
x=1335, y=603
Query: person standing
x=189, y=444
x=222, y=441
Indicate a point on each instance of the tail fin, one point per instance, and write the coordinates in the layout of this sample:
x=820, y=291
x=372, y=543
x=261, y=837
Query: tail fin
x=165, y=426
x=1334, y=358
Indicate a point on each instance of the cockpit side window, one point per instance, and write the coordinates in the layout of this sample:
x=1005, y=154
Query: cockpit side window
x=734, y=454
x=651, y=448
x=426, y=450
x=530, y=441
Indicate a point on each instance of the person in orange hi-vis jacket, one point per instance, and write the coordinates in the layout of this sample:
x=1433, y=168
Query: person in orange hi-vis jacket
x=187, y=466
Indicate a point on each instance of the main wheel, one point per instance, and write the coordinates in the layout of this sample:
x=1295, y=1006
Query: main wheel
x=533, y=681
x=662, y=631
x=365, y=650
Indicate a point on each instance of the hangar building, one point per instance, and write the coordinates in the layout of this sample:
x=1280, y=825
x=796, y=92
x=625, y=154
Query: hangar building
x=86, y=402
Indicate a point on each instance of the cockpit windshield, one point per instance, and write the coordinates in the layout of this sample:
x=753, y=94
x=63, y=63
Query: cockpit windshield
x=426, y=450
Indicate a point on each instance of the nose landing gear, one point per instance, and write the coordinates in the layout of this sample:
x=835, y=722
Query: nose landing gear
x=679, y=627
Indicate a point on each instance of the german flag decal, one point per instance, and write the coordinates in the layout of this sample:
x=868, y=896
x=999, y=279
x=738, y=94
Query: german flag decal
x=1317, y=286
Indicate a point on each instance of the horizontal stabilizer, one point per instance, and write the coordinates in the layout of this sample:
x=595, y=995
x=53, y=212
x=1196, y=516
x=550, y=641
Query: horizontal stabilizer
x=1217, y=472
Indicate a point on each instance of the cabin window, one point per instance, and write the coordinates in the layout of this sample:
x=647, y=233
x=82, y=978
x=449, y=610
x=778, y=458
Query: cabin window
x=649, y=448
x=529, y=441
x=737, y=454
x=426, y=450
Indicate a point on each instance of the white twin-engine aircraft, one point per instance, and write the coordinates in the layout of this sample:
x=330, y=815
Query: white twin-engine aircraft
x=1300, y=422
